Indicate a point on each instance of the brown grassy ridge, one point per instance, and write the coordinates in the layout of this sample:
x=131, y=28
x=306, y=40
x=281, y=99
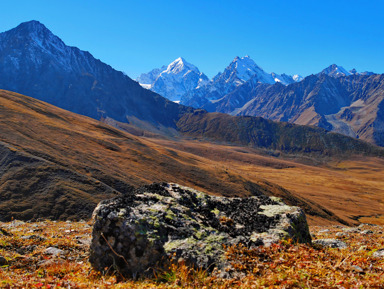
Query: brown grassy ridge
x=90, y=161
x=54, y=159
x=284, y=265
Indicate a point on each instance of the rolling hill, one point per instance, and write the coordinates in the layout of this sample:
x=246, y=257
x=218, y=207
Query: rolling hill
x=57, y=164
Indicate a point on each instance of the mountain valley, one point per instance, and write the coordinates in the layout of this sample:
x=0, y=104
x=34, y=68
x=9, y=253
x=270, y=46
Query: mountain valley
x=84, y=161
x=86, y=132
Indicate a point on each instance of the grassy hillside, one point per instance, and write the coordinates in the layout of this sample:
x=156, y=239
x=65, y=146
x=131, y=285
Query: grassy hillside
x=58, y=164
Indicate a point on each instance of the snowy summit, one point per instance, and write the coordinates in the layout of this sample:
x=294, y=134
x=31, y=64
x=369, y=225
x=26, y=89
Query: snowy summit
x=174, y=80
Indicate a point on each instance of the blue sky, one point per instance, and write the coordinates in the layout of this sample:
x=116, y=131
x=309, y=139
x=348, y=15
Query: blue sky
x=281, y=36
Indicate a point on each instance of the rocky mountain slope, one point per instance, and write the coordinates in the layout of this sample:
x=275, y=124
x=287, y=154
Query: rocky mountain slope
x=37, y=63
x=239, y=71
x=351, y=105
x=174, y=80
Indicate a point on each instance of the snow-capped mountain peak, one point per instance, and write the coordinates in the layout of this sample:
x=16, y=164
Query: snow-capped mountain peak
x=335, y=71
x=174, y=80
x=238, y=72
x=242, y=69
x=180, y=65
x=297, y=78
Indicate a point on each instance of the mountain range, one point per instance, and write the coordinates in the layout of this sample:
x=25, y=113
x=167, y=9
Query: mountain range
x=347, y=102
x=182, y=81
x=37, y=63
x=56, y=163
x=352, y=105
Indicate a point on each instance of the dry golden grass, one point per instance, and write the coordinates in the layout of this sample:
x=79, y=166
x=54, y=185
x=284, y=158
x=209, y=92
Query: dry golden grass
x=353, y=189
x=330, y=190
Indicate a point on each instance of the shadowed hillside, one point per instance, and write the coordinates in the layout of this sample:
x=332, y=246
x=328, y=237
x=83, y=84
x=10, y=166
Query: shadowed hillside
x=263, y=133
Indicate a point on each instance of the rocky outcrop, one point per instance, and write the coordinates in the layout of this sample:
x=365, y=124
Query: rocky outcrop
x=135, y=233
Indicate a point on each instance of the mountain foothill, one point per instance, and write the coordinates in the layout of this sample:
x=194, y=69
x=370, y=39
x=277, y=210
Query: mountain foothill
x=74, y=131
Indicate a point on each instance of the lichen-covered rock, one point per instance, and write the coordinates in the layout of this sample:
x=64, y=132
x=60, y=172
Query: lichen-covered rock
x=137, y=232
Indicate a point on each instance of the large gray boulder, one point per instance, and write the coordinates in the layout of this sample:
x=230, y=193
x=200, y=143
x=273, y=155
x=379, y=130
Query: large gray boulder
x=139, y=232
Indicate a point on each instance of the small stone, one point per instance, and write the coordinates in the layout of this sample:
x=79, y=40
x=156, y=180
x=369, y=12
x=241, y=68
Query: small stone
x=357, y=269
x=324, y=231
x=362, y=248
x=331, y=243
x=50, y=262
x=366, y=232
x=351, y=230
x=83, y=241
x=379, y=253
x=3, y=261
x=33, y=237
x=53, y=251
x=366, y=224
x=341, y=234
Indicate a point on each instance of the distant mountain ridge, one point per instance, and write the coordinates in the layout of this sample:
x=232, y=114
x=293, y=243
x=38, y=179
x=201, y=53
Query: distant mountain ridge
x=338, y=71
x=352, y=105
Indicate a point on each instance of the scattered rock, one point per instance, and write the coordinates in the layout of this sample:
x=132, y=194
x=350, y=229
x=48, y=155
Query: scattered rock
x=379, y=253
x=331, y=243
x=53, y=251
x=5, y=232
x=33, y=237
x=83, y=241
x=17, y=223
x=324, y=231
x=3, y=261
x=366, y=232
x=357, y=269
x=366, y=224
x=351, y=230
x=26, y=249
x=137, y=232
x=341, y=234
x=362, y=248
x=50, y=262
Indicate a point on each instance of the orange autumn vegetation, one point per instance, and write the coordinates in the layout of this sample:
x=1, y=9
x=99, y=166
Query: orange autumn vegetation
x=283, y=265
